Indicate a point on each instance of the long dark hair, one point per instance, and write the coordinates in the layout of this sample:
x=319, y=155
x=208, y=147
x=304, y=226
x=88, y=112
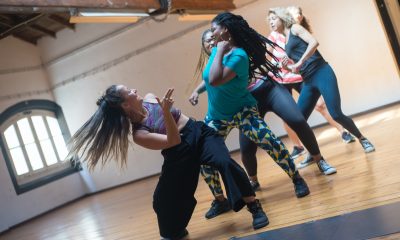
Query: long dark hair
x=105, y=135
x=251, y=41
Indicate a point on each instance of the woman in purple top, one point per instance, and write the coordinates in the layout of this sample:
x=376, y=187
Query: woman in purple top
x=185, y=145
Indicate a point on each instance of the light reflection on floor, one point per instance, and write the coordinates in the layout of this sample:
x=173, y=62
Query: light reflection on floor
x=362, y=123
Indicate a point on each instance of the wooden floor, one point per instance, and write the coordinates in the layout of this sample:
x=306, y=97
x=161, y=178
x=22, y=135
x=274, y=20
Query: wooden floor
x=363, y=181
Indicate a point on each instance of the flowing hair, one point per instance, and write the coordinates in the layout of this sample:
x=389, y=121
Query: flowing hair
x=284, y=15
x=105, y=135
x=252, y=42
x=203, y=57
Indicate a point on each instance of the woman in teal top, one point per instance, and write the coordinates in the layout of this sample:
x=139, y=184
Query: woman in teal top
x=232, y=91
x=240, y=55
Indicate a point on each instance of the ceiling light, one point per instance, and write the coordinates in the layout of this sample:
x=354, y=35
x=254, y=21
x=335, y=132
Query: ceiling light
x=91, y=16
x=196, y=17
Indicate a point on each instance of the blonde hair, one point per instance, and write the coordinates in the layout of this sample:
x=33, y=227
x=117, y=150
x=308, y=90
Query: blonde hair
x=304, y=22
x=203, y=58
x=284, y=15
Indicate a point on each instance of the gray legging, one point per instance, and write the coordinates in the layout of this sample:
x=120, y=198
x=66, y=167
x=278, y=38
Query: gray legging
x=275, y=98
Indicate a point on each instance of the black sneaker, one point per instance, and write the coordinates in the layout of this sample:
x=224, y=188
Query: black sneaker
x=217, y=208
x=347, y=137
x=300, y=186
x=367, y=145
x=297, y=152
x=260, y=219
x=255, y=185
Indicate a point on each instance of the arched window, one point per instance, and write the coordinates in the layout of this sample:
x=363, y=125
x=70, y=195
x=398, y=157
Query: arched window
x=33, y=141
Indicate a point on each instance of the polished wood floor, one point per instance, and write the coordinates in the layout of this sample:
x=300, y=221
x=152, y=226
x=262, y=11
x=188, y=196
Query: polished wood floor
x=363, y=181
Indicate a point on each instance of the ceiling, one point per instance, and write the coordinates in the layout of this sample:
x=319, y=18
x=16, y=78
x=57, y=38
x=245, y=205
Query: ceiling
x=34, y=19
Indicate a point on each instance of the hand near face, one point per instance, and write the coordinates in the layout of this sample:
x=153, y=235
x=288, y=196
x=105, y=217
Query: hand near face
x=223, y=46
x=167, y=102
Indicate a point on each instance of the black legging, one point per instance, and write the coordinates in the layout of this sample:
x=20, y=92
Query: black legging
x=323, y=82
x=275, y=98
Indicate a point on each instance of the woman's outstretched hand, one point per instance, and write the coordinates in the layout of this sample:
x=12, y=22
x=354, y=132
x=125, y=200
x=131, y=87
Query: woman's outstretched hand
x=167, y=102
x=194, y=98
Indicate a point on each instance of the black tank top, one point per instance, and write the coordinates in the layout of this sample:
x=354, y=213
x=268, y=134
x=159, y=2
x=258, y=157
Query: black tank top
x=295, y=49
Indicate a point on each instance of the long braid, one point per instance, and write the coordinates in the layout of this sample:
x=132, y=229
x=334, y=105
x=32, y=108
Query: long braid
x=252, y=42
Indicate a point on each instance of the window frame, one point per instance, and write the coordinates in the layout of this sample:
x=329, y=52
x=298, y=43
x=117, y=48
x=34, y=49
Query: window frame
x=10, y=115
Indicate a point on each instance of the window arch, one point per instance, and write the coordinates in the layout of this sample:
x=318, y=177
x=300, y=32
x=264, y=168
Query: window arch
x=33, y=140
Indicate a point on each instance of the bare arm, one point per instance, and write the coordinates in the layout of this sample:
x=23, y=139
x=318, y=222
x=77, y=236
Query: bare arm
x=194, y=98
x=158, y=141
x=302, y=33
x=219, y=74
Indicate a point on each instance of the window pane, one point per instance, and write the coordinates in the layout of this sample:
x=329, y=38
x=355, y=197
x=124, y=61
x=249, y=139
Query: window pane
x=34, y=157
x=40, y=128
x=25, y=130
x=61, y=147
x=19, y=161
x=48, y=152
x=54, y=127
x=11, y=137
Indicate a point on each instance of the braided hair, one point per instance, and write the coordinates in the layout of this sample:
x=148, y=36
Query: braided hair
x=105, y=134
x=252, y=42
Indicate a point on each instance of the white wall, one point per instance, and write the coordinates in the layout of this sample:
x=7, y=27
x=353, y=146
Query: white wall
x=14, y=208
x=350, y=35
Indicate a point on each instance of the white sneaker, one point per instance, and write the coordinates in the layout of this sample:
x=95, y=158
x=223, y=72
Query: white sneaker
x=325, y=168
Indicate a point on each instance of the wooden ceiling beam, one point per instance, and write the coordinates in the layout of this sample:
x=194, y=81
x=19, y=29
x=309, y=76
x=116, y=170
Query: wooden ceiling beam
x=20, y=25
x=61, y=21
x=103, y=4
x=43, y=30
x=29, y=40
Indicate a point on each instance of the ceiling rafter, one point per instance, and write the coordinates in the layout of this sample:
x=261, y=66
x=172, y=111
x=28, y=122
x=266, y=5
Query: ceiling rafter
x=42, y=30
x=114, y=4
x=61, y=21
x=22, y=18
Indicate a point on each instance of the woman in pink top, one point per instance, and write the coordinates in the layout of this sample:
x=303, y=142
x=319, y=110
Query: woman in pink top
x=294, y=81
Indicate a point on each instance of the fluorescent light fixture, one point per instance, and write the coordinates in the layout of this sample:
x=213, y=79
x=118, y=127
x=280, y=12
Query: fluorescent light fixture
x=80, y=19
x=112, y=14
x=196, y=17
x=92, y=16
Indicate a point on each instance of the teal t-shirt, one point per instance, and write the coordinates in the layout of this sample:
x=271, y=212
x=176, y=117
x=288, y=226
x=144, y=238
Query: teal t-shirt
x=225, y=100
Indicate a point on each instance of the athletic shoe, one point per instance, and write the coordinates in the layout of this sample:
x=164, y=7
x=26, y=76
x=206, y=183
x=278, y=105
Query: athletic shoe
x=347, y=137
x=306, y=162
x=217, y=208
x=367, y=145
x=325, y=168
x=297, y=151
x=300, y=186
x=260, y=219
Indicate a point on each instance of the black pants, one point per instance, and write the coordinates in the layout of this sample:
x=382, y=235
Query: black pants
x=273, y=97
x=323, y=82
x=173, y=199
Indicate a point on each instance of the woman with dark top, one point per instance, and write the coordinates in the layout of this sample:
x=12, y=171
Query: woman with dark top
x=185, y=145
x=240, y=55
x=318, y=76
x=270, y=96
